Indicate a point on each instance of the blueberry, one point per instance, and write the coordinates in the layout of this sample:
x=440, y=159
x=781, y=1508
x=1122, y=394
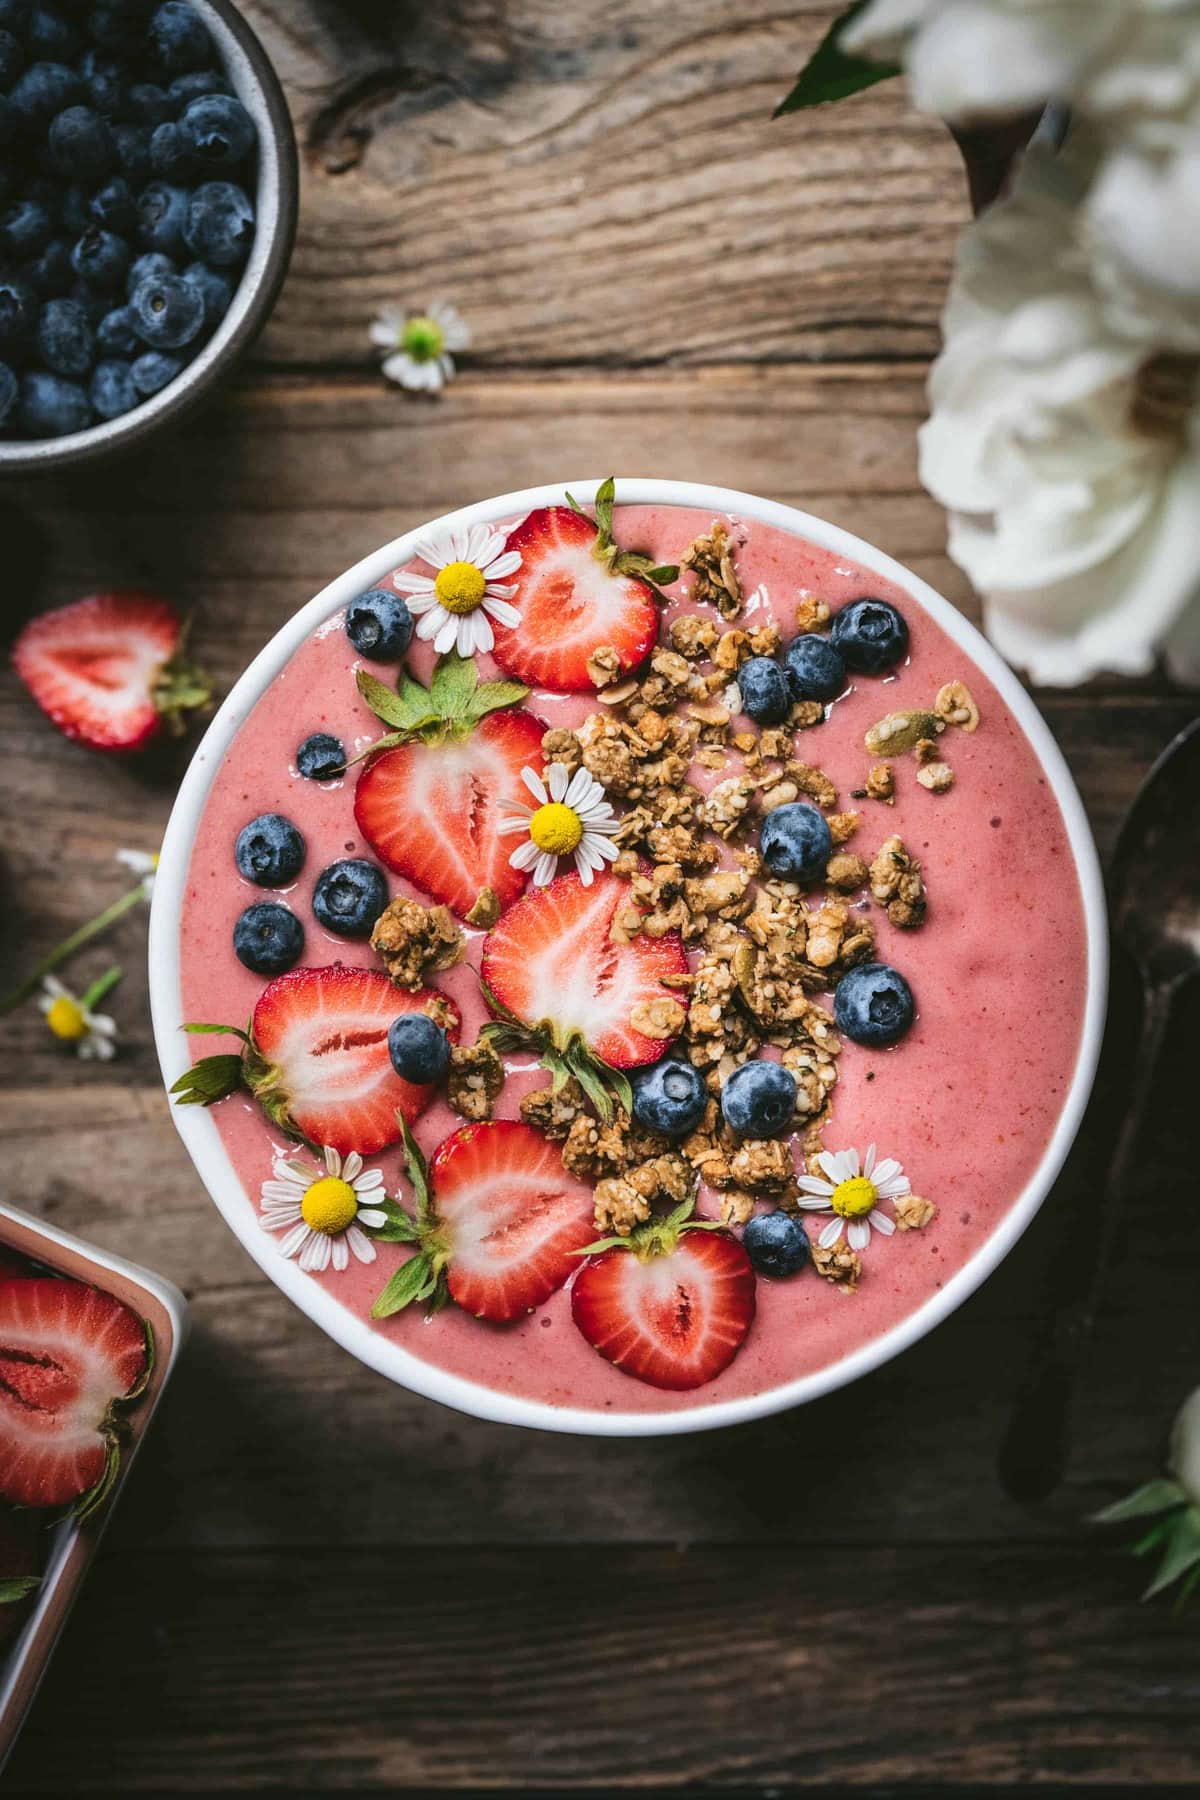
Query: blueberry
x=764, y=690
x=154, y=370
x=44, y=89
x=111, y=389
x=73, y=209
x=14, y=14
x=759, y=1099
x=147, y=104
x=52, y=406
x=321, y=757
x=379, y=625
x=50, y=35
x=220, y=224
x=162, y=215
x=10, y=124
x=186, y=88
x=115, y=335
x=94, y=303
x=871, y=636
x=268, y=938
x=217, y=130
x=101, y=257
x=65, y=337
x=113, y=206
x=349, y=897
x=18, y=311
x=168, y=311
x=179, y=40
x=169, y=153
x=81, y=145
x=12, y=59
x=116, y=26
x=215, y=289
x=670, y=1097
x=104, y=82
x=269, y=850
x=873, y=1005
x=419, y=1049
x=795, y=842
x=151, y=262
x=132, y=145
x=815, y=670
x=8, y=391
x=776, y=1243
x=25, y=229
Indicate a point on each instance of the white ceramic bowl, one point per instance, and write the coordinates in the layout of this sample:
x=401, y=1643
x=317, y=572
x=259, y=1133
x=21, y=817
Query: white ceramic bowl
x=200, y=1134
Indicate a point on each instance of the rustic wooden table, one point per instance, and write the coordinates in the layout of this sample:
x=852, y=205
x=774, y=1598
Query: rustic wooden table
x=316, y=1581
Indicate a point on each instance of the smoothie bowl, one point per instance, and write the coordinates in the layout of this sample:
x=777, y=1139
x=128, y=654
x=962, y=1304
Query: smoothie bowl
x=644, y=963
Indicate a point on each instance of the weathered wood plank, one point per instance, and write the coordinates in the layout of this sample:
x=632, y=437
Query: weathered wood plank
x=366, y=1670
x=602, y=187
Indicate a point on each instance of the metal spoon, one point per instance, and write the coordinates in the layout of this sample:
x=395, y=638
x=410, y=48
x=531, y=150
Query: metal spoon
x=1154, y=904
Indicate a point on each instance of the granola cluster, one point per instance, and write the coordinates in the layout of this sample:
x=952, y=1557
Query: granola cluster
x=897, y=884
x=475, y=1077
x=413, y=941
x=710, y=558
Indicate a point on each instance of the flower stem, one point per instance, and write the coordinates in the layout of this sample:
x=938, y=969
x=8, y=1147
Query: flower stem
x=70, y=945
x=103, y=985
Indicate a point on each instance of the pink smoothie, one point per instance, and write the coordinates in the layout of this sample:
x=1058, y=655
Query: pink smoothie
x=966, y=1102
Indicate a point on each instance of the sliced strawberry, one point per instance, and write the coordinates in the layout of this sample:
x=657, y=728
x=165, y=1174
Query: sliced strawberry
x=99, y=669
x=552, y=959
x=322, y=1034
x=430, y=811
x=68, y=1354
x=674, y=1319
x=511, y=1219
x=571, y=605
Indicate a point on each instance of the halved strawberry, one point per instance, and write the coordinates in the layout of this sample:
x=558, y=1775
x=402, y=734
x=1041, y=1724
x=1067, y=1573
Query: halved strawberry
x=512, y=1219
x=320, y=1060
x=572, y=601
x=671, y=1306
x=552, y=960
x=430, y=811
x=108, y=671
x=69, y=1354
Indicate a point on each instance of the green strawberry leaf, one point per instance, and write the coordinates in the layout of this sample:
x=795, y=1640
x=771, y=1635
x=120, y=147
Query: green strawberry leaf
x=211, y=1079
x=606, y=494
x=417, y=1170
x=663, y=574
x=490, y=696
x=15, y=1587
x=454, y=682
x=401, y=1227
x=1155, y=1497
x=413, y=1280
x=407, y=711
x=832, y=73
x=222, y=1030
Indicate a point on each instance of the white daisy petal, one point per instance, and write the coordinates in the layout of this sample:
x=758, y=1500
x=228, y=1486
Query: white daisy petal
x=882, y=1223
x=372, y=1216
x=831, y=1162
x=499, y=590
x=869, y=1161
x=545, y=869
x=505, y=827
x=893, y=1189
x=407, y=581
x=361, y=1244
x=368, y=1181
x=507, y=564
x=351, y=1167
x=502, y=612
x=431, y=622
x=604, y=848
x=333, y=1162
x=434, y=551
x=341, y=1256
x=477, y=540
x=526, y=856
x=289, y=1245
x=534, y=783
x=885, y=1170
x=858, y=1234
x=446, y=636
x=811, y=1203
x=577, y=790
x=584, y=870
x=812, y=1184
x=831, y=1233
x=557, y=780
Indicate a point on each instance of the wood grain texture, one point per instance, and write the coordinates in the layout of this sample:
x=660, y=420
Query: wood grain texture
x=317, y=1581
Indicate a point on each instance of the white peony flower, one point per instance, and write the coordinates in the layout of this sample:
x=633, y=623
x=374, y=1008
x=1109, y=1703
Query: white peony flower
x=1068, y=455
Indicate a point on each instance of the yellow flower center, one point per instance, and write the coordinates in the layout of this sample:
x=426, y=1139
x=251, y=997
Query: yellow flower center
x=65, y=1019
x=854, y=1199
x=555, y=828
x=460, y=587
x=329, y=1205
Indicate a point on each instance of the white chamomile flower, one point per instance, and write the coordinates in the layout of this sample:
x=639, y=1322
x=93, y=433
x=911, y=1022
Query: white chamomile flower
x=419, y=344
x=572, y=817
x=143, y=863
x=321, y=1214
x=455, y=606
x=70, y=1017
x=852, y=1194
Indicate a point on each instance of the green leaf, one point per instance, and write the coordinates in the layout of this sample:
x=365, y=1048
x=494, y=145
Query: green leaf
x=618, y=1082
x=454, y=682
x=416, y=1168
x=832, y=73
x=411, y=1281
x=211, y=1079
x=15, y=1587
x=407, y=712
x=663, y=574
x=225, y=1030
x=1155, y=1497
x=401, y=1227
x=1182, y=1553
x=585, y=1074
x=606, y=494
x=490, y=696
x=608, y=1243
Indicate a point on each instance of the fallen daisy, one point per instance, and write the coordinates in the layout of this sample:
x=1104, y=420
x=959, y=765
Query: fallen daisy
x=71, y=1018
x=418, y=344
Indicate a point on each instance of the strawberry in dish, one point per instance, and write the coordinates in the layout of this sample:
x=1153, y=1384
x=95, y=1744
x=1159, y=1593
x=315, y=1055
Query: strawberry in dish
x=592, y=904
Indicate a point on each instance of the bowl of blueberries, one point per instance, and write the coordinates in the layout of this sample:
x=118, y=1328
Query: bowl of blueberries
x=148, y=198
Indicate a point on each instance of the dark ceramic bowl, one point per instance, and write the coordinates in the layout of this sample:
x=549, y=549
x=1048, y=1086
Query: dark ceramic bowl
x=257, y=87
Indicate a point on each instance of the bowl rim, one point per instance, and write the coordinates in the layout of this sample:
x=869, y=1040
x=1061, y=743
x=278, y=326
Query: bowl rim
x=277, y=203
x=199, y=1131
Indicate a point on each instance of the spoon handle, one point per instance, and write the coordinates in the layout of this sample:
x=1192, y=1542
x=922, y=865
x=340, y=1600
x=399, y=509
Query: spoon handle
x=1033, y=1454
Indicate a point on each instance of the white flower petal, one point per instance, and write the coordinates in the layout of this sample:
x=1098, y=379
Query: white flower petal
x=501, y=611
x=514, y=822
x=340, y=1254
x=858, y=1234
x=372, y=1216
x=289, y=1245
x=535, y=784
x=526, y=856
x=506, y=564
x=545, y=869
x=869, y=1161
x=446, y=636
x=583, y=868
x=557, y=780
x=361, y=1244
x=882, y=1223
x=368, y=1180
x=812, y=1203
x=812, y=1184
x=830, y=1233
